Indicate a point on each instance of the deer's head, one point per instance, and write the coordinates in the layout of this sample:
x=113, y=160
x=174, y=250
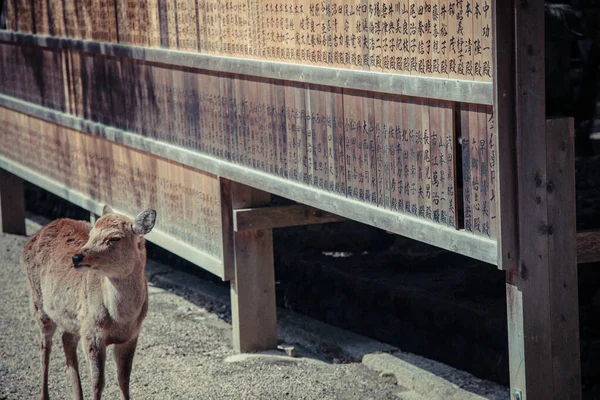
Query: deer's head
x=116, y=245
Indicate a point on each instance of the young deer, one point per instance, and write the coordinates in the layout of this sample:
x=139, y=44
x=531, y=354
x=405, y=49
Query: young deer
x=90, y=282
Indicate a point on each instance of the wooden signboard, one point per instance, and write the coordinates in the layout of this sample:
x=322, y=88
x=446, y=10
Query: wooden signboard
x=394, y=152
x=445, y=38
x=479, y=160
x=188, y=200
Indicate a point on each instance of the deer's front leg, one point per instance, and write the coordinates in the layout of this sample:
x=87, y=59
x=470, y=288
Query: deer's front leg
x=96, y=354
x=124, y=359
x=70, y=342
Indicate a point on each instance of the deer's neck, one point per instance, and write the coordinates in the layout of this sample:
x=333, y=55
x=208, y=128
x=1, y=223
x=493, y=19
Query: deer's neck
x=124, y=297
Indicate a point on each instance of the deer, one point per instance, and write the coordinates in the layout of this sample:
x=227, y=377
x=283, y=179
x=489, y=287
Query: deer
x=90, y=283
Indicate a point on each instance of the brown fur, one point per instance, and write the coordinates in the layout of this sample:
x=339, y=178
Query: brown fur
x=103, y=301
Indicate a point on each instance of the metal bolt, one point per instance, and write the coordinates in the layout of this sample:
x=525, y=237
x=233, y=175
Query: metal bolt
x=517, y=394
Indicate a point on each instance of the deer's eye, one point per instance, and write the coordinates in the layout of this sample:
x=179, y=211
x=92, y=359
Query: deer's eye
x=114, y=239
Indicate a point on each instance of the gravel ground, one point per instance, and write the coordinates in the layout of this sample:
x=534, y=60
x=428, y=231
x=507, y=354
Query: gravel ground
x=184, y=352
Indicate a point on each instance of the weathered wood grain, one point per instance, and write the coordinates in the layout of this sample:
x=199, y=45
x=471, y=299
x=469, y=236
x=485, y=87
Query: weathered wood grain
x=588, y=247
x=253, y=308
x=279, y=217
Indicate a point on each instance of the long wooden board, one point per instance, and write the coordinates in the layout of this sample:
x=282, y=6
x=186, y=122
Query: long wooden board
x=334, y=140
x=480, y=160
x=189, y=200
x=442, y=38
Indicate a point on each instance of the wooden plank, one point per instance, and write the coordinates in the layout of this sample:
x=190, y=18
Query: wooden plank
x=505, y=120
x=112, y=23
x=228, y=251
x=105, y=172
x=253, y=308
x=435, y=187
x=560, y=149
x=588, y=247
x=544, y=361
x=419, y=86
x=491, y=187
x=12, y=204
x=528, y=287
x=279, y=217
x=11, y=15
x=153, y=23
x=424, y=175
x=25, y=17
x=383, y=116
x=280, y=129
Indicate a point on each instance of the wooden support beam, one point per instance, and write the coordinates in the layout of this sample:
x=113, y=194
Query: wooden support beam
x=253, y=309
x=281, y=216
x=228, y=253
x=588, y=247
x=504, y=119
x=542, y=293
x=12, y=203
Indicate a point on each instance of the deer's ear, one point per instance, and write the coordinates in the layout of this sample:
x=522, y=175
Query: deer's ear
x=107, y=210
x=144, y=222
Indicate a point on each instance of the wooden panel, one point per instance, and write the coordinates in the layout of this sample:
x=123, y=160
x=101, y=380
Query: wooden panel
x=404, y=224
x=127, y=179
x=479, y=153
x=343, y=142
x=442, y=38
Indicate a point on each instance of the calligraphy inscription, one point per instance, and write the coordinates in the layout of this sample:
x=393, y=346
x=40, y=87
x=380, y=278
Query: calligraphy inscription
x=120, y=176
x=479, y=158
x=394, y=152
x=444, y=38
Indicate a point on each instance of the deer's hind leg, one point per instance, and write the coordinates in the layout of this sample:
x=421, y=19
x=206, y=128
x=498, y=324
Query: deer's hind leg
x=70, y=342
x=45, y=323
x=47, y=329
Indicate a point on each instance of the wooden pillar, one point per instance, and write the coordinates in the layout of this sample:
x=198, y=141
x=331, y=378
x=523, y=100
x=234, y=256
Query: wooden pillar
x=253, y=309
x=541, y=289
x=12, y=203
x=504, y=118
x=542, y=295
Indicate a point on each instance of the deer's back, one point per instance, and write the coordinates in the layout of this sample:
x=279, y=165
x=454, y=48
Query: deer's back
x=55, y=286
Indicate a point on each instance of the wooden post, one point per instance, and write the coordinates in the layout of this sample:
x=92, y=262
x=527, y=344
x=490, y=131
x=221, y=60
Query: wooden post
x=253, y=309
x=12, y=203
x=541, y=292
x=542, y=295
x=504, y=118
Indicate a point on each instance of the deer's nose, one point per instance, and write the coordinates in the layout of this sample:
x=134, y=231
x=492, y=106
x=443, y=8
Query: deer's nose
x=77, y=258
